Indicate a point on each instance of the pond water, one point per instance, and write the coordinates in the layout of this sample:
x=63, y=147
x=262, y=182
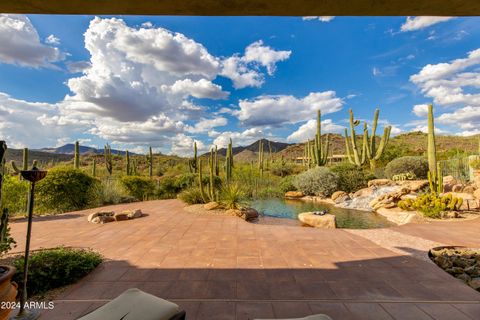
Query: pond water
x=346, y=218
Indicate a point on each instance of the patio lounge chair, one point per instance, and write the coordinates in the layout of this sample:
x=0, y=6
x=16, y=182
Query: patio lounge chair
x=135, y=304
x=313, y=317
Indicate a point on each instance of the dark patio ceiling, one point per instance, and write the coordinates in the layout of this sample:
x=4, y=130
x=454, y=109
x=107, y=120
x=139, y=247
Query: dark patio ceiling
x=247, y=7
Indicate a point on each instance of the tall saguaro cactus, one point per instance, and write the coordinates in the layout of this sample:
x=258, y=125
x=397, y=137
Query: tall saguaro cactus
x=149, y=159
x=24, y=163
x=94, y=167
x=211, y=189
x=320, y=151
x=435, y=176
x=128, y=169
x=193, y=163
x=107, y=152
x=260, y=157
x=369, y=149
x=229, y=162
x=374, y=153
x=76, y=158
x=217, y=169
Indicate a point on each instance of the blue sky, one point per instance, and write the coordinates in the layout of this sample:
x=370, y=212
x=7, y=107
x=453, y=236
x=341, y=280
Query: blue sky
x=169, y=81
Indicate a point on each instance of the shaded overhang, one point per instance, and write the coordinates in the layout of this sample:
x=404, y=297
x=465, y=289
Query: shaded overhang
x=246, y=7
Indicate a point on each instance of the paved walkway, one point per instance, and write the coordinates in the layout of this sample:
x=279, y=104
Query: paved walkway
x=218, y=267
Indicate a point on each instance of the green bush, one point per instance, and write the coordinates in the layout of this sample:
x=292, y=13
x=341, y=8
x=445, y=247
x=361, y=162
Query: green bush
x=66, y=189
x=319, y=181
x=191, y=196
x=53, y=268
x=350, y=177
x=138, y=187
x=287, y=184
x=15, y=194
x=416, y=165
x=185, y=180
x=111, y=192
x=281, y=169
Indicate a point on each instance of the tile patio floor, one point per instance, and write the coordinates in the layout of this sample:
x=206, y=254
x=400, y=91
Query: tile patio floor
x=218, y=267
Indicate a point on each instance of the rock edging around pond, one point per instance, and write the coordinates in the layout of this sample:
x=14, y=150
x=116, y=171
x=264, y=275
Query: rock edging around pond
x=325, y=221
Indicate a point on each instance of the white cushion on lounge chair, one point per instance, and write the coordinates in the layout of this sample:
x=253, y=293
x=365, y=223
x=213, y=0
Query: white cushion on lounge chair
x=134, y=304
x=314, y=317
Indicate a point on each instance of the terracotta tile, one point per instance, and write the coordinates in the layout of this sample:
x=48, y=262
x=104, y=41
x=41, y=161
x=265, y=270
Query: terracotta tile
x=254, y=310
x=442, y=311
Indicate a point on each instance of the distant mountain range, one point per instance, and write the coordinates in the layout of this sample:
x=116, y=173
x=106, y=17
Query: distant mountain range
x=275, y=147
x=70, y=149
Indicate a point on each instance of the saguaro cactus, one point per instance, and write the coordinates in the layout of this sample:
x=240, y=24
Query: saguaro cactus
x=76, y=158
x=435, y=176
x=217, y=169
x=369, y=150
x=260, y=157
x=128, y=170
x=24, y=163
x=149, y=159
x=320, y=151
x=193, y=163
x=229, y=162
x=200, y=181
x=211, y=190
x=94, y=167
x=107, y=152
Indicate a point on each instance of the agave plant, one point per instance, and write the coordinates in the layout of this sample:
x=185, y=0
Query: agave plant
x=232, y=196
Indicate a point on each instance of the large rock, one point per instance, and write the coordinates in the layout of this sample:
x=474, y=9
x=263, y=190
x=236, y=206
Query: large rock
x=211, y=205
x=381, y=182
x=120, y=216
x=94, y=215
x=414, y=185
x=469, y=189
x=133, y=214
x=103, y=219
x=249, y=214
x=365, y=192
x=388, y=200
x=340, y=196
x=448, y=183
x=476, y=194
x=294, y=194
x=327, y=221
x=457, y=188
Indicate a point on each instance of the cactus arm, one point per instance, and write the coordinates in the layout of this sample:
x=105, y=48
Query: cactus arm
x=25, y=159
x=383, y=143
x=347, y=148
x=200, y=181
x=353, y=138
x=14, y=166
x=374, y=131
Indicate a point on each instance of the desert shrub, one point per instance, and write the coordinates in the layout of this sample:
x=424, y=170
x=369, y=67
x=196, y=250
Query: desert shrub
x=65, y=189
x=281, y=169
x=350, y=177
x=475, y=164
x=53, y=268
x=416, y=165
x=217, y=181
x=286, y=184
x=191, y=196
x=232, y=196
x=138, y=187
x=110, y=191
x=7, y=242
x=269, y=192
x=319, y=181
x=185, y=180
x=14, y=194
x=167, y=187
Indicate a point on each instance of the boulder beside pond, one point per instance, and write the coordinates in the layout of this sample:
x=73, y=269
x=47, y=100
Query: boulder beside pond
x=326, y=221
x=340, y=196
x=294, y=194
x=211, y=205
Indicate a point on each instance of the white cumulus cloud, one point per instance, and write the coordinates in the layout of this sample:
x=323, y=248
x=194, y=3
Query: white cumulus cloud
x=421, y=22
x=319, y=18
x=308, y=130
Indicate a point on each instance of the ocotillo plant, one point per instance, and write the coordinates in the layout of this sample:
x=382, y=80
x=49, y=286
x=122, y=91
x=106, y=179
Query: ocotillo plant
x=320, y=151
x=128, y=170
x=108, y=158
x=24, y=164
x=193, y=163
x=149, y=159
x=94, y=167
x=374, y=153
x=76, y=158
x=435, y=176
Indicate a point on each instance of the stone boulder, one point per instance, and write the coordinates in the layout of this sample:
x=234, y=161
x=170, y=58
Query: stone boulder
x=294, y=194
x=365, y=192
x=103, y=219
x=249, y=214
x=133, y=214
x=381, y=182
x=326, y=221
x=388, y=200
x=448, y=183
x=340, y=196
x=457, y=188
x=100, y=214
x=469, y=189
x=120, y=216
x=414, y=185
x=211, y=205
x=476, y=194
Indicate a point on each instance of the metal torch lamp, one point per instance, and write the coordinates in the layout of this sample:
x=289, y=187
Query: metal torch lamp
x=33, y=176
